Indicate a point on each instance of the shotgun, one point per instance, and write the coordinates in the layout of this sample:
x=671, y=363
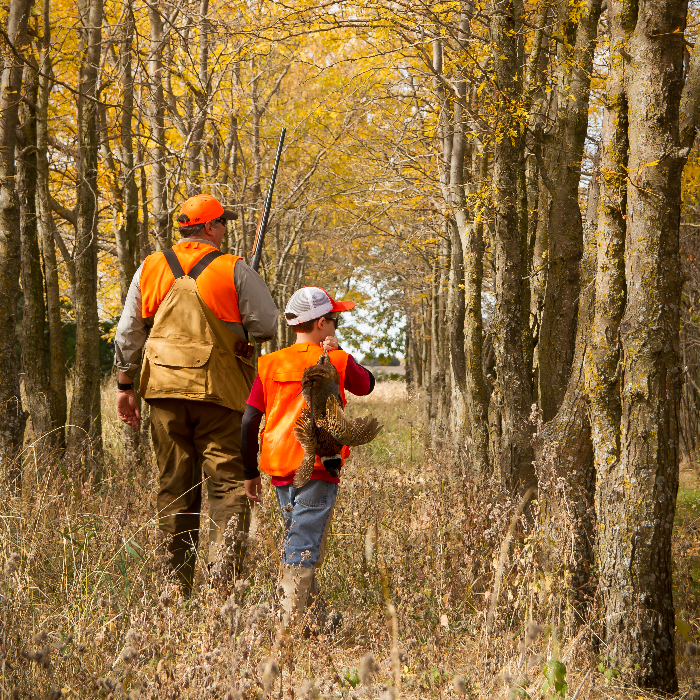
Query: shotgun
x=265, y=214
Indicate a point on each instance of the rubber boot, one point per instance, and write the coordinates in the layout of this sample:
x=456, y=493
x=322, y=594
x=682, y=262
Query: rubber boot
x=294, y=586
x=183, y=557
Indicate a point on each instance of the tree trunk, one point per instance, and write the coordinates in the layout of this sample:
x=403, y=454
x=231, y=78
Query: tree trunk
x=476, y=397
x=36, y=380
x=194, y=152
x=156, y=118
x=13, y=417
x=85, y=415
x=531, y=330
x=565, y=242
x=127, y=237
x=144, y=242
x=57, y=360
x=610, y=273
x=636, y=496
x=128, y=234
x=564, y=450
x=513, y=452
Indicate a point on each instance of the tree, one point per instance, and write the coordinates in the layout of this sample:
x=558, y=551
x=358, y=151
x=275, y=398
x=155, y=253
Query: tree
x=85, y=414
x=13, y=417
x=638, y=472
x=45, y=226
x=510, y=404
x=36, y=379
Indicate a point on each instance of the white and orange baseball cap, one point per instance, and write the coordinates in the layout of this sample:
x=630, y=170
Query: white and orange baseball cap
x=309, y=303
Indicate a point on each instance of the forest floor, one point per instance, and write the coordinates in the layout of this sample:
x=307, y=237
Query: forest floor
x=88, y=610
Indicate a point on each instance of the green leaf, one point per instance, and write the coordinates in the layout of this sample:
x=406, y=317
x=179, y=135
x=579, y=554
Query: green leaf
x=555, y=673
x=131, y=549
x=351, y=677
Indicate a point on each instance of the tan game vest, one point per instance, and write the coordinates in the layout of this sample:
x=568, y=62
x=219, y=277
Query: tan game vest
x=190, y=353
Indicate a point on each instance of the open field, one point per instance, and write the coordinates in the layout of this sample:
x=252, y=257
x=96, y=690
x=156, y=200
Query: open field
x=88, y=612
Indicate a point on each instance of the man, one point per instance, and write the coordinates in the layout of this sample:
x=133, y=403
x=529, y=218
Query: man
x=192, y=308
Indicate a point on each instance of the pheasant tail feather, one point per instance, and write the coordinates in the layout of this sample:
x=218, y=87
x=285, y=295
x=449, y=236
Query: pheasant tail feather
x=352, y=433
x=306, y=435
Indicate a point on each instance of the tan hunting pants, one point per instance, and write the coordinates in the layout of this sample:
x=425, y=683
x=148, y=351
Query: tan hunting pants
x=195, y=440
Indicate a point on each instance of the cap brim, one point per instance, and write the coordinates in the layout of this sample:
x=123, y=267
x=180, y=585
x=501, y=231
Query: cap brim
x=229, y=215
x=343, y=305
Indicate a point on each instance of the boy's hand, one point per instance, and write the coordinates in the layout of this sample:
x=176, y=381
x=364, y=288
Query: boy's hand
x=330, y=343
x=253, y=488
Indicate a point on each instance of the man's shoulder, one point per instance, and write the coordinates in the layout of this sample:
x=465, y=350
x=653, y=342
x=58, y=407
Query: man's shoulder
x=226, y=261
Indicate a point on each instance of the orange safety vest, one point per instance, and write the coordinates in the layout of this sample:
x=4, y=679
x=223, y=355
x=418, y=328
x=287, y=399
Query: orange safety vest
x=215, y=285
x=280, y=373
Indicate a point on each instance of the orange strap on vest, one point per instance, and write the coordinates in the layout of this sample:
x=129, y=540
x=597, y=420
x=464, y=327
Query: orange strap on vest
x=280, y=374
x=214, y=277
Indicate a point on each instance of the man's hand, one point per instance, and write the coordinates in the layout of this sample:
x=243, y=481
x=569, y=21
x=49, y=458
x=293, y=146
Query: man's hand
x=253, y=488
x=330, y=343
x=128, y=408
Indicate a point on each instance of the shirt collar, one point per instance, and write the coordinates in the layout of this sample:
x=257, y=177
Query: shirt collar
x=196, y=240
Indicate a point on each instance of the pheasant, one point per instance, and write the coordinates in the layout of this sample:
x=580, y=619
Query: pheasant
x=322, y=429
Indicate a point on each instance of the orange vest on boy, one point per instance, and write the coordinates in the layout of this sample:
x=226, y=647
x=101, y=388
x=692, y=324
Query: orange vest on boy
x=280, y=374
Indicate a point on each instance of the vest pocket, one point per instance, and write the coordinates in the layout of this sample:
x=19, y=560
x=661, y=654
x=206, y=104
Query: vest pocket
x=172, y=352
x=179, y=366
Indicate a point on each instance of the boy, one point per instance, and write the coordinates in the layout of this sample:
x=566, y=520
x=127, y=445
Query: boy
x=307, y=511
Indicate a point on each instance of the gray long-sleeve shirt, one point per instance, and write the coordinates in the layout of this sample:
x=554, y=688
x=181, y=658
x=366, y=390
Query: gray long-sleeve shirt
x=257, y=308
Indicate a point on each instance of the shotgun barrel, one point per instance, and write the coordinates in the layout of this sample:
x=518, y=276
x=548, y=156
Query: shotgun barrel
x=265, y=214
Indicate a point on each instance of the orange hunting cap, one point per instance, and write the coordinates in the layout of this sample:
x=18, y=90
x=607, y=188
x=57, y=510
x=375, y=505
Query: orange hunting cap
x=202, y=208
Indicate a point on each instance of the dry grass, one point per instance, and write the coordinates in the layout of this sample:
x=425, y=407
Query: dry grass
x=88, y=611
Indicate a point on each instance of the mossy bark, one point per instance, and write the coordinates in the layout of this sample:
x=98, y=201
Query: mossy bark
x=637, y=491
x=476, y=396
x=511, y=448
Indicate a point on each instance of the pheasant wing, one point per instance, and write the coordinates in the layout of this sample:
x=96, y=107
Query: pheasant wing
x=358, y=431
x=306, y=435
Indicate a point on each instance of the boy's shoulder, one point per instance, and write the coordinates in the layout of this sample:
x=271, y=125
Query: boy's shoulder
x=299, y=354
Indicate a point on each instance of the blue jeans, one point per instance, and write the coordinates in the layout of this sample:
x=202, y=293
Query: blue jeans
x=306, y=522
